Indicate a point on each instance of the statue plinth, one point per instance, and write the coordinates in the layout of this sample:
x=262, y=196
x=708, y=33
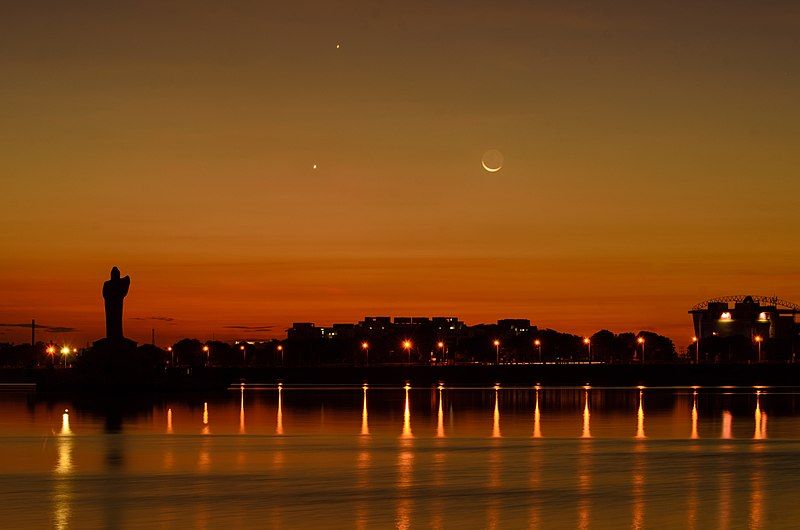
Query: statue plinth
x=115, y=345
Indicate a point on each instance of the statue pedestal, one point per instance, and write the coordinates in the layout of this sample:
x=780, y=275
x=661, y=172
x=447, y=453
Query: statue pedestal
x=115, y=346
x=111, y=363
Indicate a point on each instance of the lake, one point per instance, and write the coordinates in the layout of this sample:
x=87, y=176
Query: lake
x=404, y=457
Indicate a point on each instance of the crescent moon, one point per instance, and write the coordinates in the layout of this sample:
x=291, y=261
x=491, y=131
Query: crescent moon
x=489, y=169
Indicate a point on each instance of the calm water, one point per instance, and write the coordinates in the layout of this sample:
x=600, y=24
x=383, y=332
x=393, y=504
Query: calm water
x=392, y=457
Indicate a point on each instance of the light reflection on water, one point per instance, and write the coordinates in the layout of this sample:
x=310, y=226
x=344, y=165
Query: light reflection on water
x=406, y=457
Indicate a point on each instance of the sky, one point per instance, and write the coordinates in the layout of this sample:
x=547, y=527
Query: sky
x=252, y=164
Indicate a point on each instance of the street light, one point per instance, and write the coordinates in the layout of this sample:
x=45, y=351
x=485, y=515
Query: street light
x=538, y=345
x=207, y=351
x=280, y=350
x=640, y=340
x=365, y=347
x=440, y=345
x=759, y=339
x=588, y=343
x=696, y=349
x=244, y=354
x=65, y=351
x=171, y=355
x=407, y=346
x=497, y=351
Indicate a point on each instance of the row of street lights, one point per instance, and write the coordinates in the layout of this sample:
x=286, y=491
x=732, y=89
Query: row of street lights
x=758, y=339
x=408, y=345
x=65, y=351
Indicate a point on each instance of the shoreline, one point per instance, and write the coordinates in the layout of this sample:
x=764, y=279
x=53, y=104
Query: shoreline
x=478, y=376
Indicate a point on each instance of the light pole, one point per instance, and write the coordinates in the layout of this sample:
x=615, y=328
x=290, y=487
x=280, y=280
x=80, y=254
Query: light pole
x=699, y=336
x=171, y=356
x=759, y=339
x=640, y=340
x=51, y=351
x=538, y=345
x=244, y=354
x=588, y=343
x=440, y=345
x=696, y=350
x=65, y=351
x=365, y=347
x=407, y=346
x=497, y=351
x=207, y=351
x=280, y=350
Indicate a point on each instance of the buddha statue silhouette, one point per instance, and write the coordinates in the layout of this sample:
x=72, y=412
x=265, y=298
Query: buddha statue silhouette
x=114, y=292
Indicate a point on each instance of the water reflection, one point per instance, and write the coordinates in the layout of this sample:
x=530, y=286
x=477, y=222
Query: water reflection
x=496, y=416
x=241, y=409
x=364, y=415
x=405, y=469
x=760, y=420
x=439, y=460
x=169, y=455
x=206, y=426
x=640, y=418
x=279, y=419
x=757, y=495
x=440, y=417
x=407, y=417
x=462, y=473
x=692, y=501
x=638, y=482
x=62, y=496
x=724, y=502
x=585, y=453
x=537, y=429
x=727, y=422
x=495, y=465
x=363, y=464
x=587, y=433
x=535, y=481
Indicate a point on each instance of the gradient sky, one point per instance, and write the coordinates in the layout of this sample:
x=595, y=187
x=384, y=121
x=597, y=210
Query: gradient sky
x=651, y=161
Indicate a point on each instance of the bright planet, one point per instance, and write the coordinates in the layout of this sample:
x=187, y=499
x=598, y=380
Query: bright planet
x=492, y=160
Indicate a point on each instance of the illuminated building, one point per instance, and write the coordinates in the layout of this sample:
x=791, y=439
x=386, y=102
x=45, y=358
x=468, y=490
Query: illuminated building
x=750, y=316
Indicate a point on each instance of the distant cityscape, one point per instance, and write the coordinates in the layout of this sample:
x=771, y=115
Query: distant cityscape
x=742, y=328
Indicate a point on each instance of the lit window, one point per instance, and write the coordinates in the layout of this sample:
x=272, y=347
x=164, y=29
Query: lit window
x=763, y=317
x=725, y=316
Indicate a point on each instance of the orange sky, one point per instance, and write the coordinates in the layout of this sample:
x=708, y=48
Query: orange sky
x=651, y=157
